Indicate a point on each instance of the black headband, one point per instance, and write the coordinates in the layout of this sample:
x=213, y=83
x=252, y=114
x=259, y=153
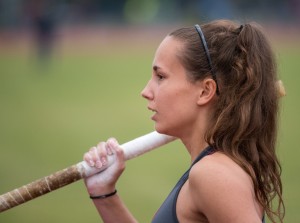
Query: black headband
x=207, y=55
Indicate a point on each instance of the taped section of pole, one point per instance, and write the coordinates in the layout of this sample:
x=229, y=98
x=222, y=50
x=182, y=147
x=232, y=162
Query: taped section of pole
x=78, y=171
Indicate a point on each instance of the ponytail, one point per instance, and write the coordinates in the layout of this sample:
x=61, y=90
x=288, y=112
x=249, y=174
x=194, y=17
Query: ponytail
x=260, y=123
x=247, y=110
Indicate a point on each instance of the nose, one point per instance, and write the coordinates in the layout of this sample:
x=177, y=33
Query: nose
x=146, y=92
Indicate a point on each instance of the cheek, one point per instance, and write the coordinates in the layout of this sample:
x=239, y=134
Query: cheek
x=175, y=100
x=175, y=121
x=177, y=112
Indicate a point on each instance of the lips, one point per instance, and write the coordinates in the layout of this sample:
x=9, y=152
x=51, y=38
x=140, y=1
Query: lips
x=153, y=110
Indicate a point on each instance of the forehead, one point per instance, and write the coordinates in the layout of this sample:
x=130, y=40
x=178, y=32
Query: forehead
x=170, y=41
x=168, y=50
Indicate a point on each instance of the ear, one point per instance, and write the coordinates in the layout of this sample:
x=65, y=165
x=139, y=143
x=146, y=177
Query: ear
x=207, y=91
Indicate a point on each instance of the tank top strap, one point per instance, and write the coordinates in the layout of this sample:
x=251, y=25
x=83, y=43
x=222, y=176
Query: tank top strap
x=207, y=151
x=167, y=212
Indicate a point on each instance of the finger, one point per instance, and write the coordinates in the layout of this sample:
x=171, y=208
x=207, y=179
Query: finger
x=101, y=155
x=109, y=146
x=112, y=144
x=120, y=157
x=119, y=152
x=115, y=147
x=88, y=157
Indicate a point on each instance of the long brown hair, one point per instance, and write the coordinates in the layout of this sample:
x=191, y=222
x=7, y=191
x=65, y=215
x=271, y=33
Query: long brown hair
x=246, y=113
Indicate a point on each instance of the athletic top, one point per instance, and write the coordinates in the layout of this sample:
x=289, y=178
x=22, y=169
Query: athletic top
x=167, y=212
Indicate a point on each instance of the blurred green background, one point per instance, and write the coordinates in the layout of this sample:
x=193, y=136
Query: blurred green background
x=56, y=104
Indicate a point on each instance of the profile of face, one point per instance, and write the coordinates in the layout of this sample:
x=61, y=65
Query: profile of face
x=172, y=97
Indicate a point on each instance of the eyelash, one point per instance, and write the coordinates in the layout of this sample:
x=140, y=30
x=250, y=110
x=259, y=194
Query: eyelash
x=160, y=77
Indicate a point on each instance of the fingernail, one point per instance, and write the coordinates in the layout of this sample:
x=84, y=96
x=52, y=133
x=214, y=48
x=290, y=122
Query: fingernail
x=91, y=162
x=98, y=164
x=110, y=147
x=109, y=151
x=114, y=143
x=104, y=161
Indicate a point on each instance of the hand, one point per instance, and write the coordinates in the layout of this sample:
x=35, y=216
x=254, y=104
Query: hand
x=105, y=181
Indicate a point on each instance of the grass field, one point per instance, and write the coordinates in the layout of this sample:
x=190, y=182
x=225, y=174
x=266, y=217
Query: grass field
x=49, y=116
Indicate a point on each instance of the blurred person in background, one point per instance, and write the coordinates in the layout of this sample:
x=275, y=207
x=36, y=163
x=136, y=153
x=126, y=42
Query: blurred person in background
x=42, y=16
x=214, y=87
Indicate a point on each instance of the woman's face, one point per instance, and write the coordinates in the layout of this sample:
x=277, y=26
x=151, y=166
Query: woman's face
x=171, y=96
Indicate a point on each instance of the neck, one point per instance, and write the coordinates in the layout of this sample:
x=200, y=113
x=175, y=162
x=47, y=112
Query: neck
x=194, y=140
x=193, y=136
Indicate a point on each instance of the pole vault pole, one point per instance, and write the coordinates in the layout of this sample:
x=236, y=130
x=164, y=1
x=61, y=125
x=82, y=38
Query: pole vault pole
x=81, y=170
x=78, y=171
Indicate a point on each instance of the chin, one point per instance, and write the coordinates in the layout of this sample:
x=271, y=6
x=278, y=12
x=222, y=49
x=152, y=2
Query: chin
x=165, y=131
x=159, y=129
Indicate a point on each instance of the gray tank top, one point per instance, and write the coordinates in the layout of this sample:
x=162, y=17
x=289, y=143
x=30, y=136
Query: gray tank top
x=167, y=212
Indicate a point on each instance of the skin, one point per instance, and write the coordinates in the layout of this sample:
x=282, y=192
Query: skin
x=217, y=190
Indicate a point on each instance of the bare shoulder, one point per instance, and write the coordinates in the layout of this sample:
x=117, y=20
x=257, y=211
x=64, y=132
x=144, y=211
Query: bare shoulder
x=223, y=191
x=218, y=166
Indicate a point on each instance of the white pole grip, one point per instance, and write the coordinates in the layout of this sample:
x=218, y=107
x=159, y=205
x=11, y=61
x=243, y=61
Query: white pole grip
x=131, y=150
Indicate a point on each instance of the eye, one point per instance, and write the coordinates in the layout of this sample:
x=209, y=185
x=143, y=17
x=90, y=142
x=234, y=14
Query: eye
x=160, y=77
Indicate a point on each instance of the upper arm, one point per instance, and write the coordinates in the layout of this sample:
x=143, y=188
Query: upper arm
x=222, y=192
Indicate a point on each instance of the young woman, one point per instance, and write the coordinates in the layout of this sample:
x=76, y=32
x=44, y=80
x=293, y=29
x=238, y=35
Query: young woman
x=213, y=87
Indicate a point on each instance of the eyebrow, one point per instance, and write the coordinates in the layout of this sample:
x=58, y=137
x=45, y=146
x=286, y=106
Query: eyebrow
x=155, y=67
